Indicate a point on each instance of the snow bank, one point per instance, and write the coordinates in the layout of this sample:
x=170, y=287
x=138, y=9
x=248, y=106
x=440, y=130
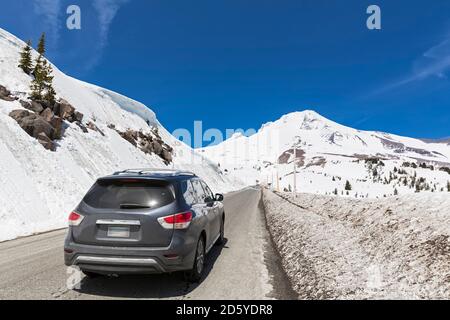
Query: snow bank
x=337, y=248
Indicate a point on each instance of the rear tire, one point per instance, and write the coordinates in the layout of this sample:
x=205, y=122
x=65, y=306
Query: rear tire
x=195, y=274
x=221, y=239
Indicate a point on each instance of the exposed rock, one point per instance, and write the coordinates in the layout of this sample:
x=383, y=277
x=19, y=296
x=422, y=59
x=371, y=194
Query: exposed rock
x=5, y=94
x=36, y=107
x=288, y=156
x=10, y=99
x=166, y=155
x=46, y=142
x=33, y=124
x=25, y=104
x=157, y=147
x=168, y=148
x=66, y=110
x=130, y=136
x=90, y=125
x=27, y=123
x=149, y=143
x=57, y=108
x=45, y=122
x=47, y=114
x=78, y=116
x=82, y=127
x=42, y=126
x=56, y=123
x=19, y=114
x=46, y=104
x=147, y=147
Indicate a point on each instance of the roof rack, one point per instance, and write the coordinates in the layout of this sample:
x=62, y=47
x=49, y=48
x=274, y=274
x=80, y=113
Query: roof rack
x=163, y=171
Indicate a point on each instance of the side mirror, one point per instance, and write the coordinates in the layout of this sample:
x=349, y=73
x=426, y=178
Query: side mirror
x=219, y=197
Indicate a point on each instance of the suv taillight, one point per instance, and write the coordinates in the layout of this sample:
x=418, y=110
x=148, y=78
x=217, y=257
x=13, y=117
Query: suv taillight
x=176, y=221
x=75, y=219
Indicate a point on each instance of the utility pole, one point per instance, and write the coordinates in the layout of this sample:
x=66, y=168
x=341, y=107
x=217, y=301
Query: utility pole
x=278, y=181
x=295, y=170
x=272, y=186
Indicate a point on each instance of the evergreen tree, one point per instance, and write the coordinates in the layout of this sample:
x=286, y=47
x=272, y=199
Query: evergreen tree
x=448, y=186
x=395, y=192
x=48, y=83
x=25, y=62
x=42, y=84
x=418, y=187
x=348, y=186
x=38, y=83
x=41, y=45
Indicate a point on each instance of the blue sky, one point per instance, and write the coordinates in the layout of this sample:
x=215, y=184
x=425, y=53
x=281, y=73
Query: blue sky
x=240, y=63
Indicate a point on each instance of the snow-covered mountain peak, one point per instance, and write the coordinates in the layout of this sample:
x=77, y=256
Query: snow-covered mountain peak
x=307, y=120
x=325, y=148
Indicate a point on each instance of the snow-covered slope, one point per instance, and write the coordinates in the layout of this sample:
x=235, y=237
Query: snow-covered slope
x=328, y=154
x=39, y=187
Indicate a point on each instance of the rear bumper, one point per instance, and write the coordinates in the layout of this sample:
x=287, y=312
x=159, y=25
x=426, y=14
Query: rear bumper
x=178, y=256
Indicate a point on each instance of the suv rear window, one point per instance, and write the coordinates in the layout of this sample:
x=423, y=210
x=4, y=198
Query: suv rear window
x=129, y=194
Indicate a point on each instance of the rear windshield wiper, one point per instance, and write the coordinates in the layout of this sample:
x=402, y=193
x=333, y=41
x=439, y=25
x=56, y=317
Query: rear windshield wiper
x=133, y=206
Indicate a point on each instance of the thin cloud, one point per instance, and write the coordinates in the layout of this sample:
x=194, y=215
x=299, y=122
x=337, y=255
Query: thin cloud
x=106, y=10
x=50, y=11
x=435, y=62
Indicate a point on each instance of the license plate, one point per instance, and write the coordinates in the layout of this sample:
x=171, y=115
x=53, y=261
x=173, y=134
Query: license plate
x=119, y=232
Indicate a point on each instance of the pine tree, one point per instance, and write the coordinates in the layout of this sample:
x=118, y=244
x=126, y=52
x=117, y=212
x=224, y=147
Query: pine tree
x=25, y=62
x=348, y=186
x=448, y=186
x=42, y=84
x=395, y=192
x=41, y=45
x=38, y=83
x=50, y=92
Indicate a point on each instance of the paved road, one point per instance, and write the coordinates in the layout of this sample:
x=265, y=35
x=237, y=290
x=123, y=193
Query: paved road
x=246, y=267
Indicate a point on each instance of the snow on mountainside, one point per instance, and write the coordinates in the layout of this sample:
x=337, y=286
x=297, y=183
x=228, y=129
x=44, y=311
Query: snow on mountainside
x=328, y=154
x=40, y=187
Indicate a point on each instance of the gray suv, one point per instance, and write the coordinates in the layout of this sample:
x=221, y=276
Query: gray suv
x=145, y=221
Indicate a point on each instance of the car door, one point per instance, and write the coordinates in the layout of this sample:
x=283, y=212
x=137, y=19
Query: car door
x=214, y=207
x=206, y=210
